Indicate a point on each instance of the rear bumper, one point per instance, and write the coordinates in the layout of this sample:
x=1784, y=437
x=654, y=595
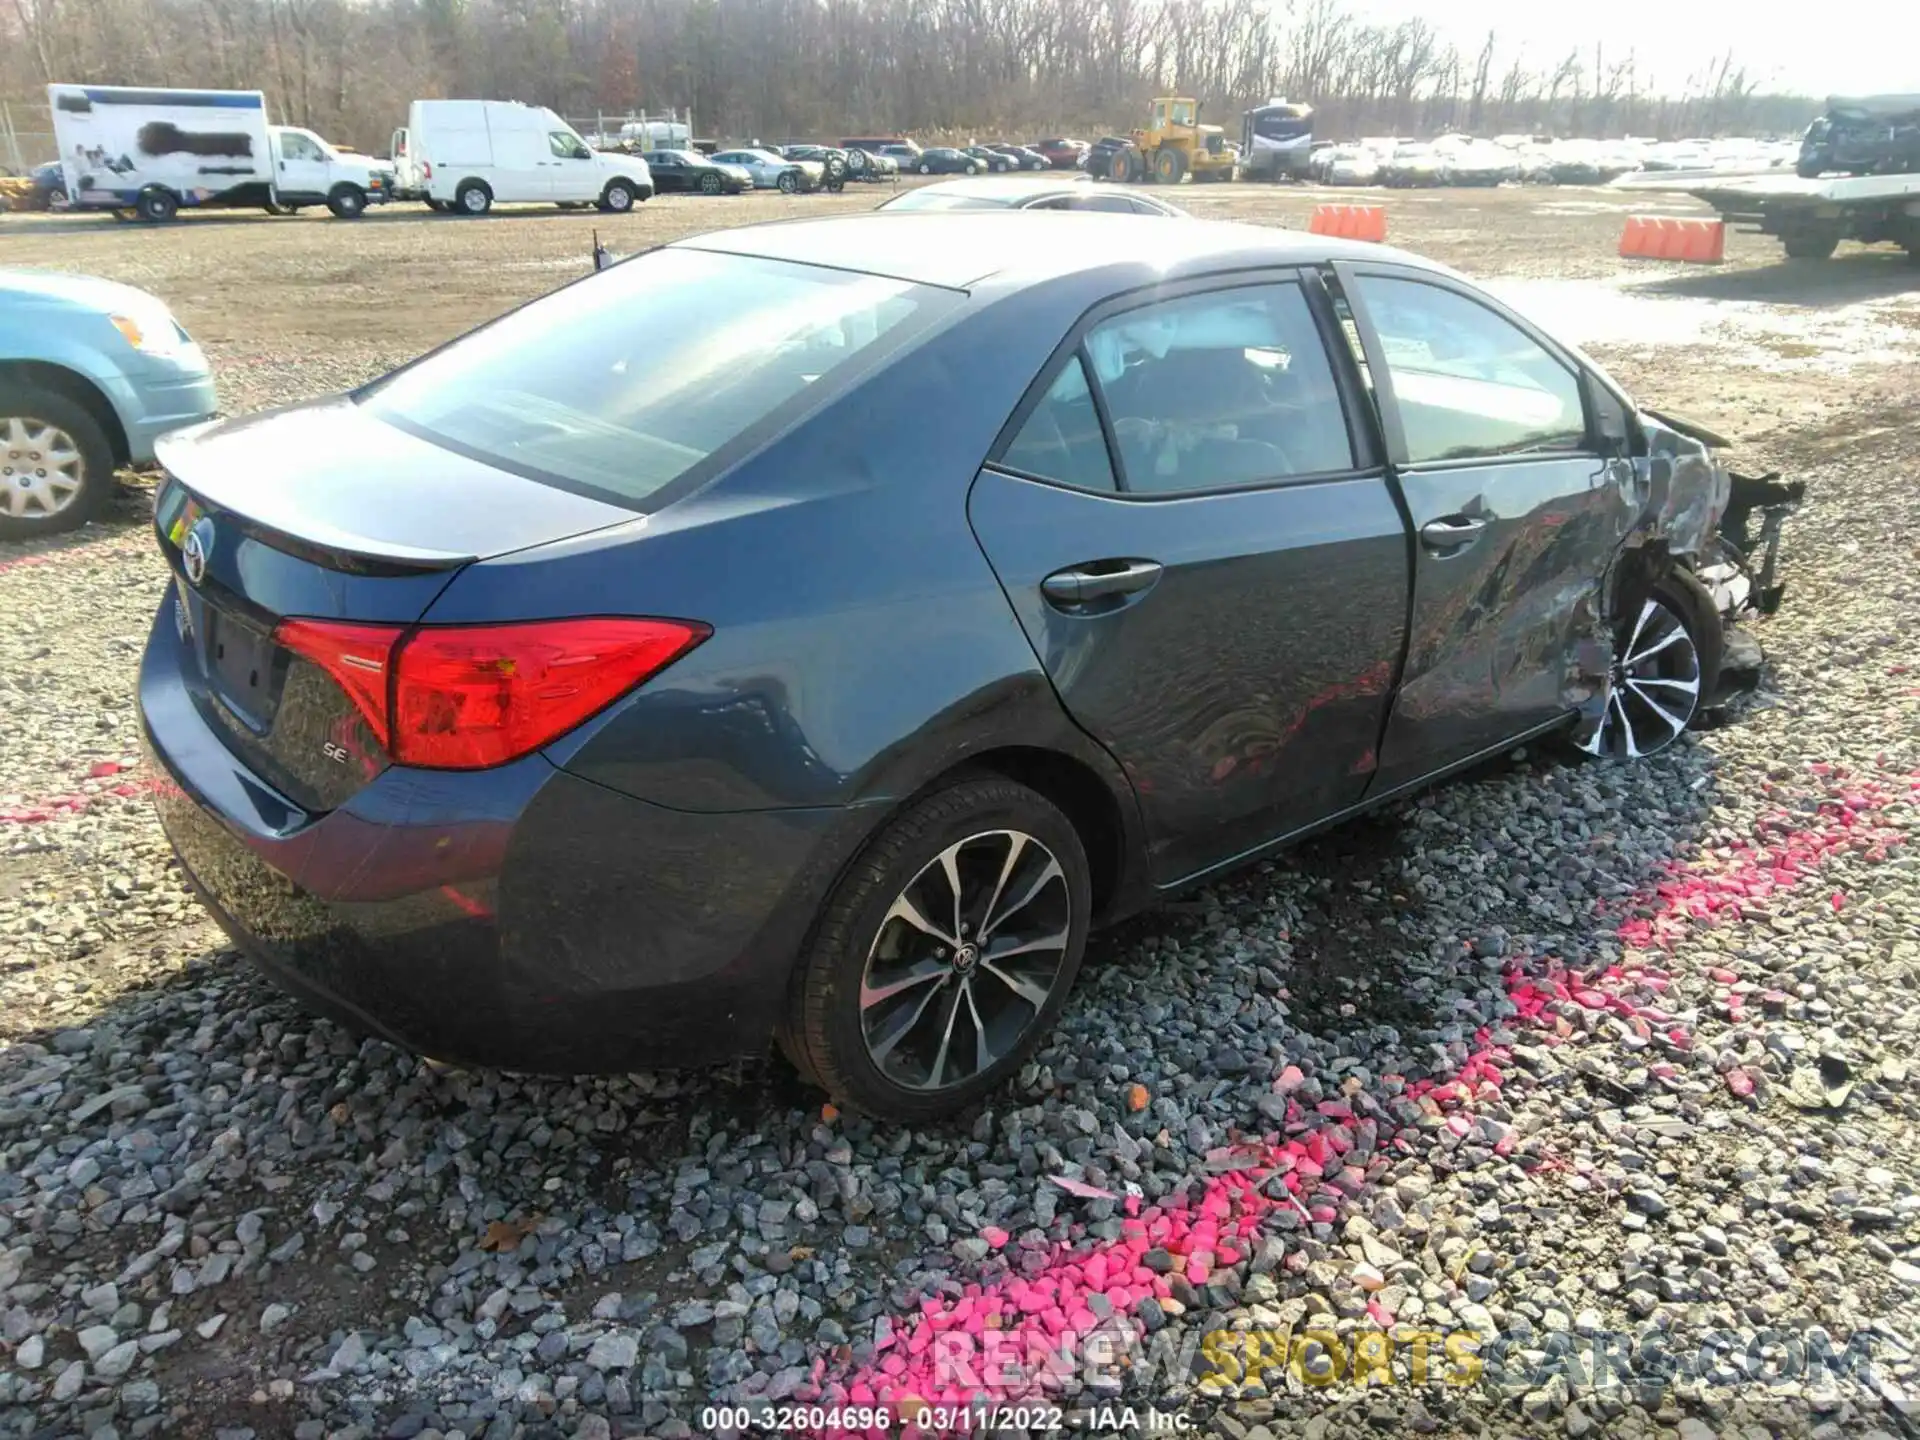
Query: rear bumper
x=520, y=917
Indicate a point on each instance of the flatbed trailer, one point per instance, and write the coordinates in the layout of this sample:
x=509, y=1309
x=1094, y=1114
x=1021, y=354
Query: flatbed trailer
x=1811, y=217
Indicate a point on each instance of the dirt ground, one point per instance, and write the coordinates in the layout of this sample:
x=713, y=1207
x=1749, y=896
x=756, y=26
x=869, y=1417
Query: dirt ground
x=1753, y=346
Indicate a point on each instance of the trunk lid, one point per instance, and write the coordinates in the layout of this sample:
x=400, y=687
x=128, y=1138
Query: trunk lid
x=324, y=513
x=329, y=474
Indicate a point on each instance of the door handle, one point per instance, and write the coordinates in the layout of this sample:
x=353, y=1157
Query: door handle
x=1099, y=580
x=1451, y=533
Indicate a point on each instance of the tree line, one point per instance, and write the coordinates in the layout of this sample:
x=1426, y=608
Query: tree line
x=820, y=68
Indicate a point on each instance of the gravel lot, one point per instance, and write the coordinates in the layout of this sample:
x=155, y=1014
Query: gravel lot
x=1552, y=1055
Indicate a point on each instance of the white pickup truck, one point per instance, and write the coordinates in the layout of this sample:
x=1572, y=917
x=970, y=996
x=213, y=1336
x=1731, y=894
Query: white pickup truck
x=156, y=152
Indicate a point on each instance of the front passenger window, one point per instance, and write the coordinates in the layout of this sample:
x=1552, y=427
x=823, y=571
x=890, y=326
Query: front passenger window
x=1469, y=384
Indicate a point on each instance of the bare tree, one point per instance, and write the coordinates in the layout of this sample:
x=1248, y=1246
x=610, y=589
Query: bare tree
x=776, y=68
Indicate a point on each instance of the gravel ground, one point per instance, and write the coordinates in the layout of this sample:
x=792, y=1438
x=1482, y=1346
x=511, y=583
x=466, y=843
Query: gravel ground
x=1567, y=1057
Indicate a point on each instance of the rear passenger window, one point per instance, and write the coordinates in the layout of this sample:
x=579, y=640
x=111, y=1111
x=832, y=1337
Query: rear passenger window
x=1469, y=384
x=1061, y=439
x=1231, y=387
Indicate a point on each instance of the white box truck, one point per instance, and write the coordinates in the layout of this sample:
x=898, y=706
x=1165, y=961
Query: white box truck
x=156, y=151
x=466, y=155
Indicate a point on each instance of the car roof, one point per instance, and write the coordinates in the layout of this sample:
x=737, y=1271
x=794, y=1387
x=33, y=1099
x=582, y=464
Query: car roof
x=1007, y=188
x=959, y=249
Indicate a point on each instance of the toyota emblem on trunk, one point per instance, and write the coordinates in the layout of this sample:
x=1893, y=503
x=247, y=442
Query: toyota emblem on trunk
x=198, y=546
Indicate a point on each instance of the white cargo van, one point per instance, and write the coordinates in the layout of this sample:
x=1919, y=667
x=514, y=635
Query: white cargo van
x=464, y=155
x=157, y=151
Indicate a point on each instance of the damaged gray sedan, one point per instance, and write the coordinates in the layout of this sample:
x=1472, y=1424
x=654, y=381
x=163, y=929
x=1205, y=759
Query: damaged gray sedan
x=1201, y=537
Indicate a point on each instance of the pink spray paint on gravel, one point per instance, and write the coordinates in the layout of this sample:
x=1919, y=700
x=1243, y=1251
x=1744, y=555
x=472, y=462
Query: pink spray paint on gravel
x=94, y=789
x=1036, y=1321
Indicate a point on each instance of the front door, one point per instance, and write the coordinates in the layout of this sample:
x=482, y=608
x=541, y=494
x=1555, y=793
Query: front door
x=572, y=170
x=301, y=174
x=1515, y=513
x=1208, y=562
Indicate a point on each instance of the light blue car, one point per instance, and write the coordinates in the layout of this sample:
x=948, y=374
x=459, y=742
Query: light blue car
x=91, y=374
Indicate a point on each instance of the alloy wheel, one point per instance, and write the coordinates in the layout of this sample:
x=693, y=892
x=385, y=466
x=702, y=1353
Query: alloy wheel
x=41, y=467
x=965, y=959
x=1653, y=688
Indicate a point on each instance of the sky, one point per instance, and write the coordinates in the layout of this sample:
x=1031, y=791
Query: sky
x=1785, y=44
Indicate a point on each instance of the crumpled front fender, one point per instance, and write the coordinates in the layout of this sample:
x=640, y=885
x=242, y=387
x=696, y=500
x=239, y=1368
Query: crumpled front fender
x=1695, y=514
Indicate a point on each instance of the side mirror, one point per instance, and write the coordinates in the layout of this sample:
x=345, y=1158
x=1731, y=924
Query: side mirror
x=1614, y=431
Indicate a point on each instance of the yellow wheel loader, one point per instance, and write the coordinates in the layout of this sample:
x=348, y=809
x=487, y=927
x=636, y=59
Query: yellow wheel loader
x=1173, y=145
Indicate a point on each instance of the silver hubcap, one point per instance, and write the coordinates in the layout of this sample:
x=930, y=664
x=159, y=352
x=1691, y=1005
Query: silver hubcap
x=41, y=468
x=476, y=200
x=965, y=960
x=1652, y=691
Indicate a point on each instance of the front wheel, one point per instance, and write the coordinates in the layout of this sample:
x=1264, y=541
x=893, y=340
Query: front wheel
x=788, y=183
x=925, y=169
x=1668, y=647
x=348, y=202
x=944, y=954
x=56, y=466
x=710, y=184
x=617, y=198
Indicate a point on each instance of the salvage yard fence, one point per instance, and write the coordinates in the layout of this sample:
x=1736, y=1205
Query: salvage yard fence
x=26, y=135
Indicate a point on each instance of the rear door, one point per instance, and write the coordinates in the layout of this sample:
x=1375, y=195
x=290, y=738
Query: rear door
x=1516, y=512
x=1190, y=519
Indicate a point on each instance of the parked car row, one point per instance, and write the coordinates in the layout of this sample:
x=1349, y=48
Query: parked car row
x=987, y=157
x=1465, y=160
x=149, y=153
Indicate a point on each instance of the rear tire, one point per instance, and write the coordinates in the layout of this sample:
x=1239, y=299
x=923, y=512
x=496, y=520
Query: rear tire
x=1810, y=244
x=156, y=206
x=34, y=423
x=472, y=198
x=999, y=839
x=347, y=202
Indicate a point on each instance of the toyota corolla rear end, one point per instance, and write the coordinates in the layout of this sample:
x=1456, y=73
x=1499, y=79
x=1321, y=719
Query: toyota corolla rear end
x=372, y=645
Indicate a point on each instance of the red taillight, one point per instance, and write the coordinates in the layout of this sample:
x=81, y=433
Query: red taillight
x=426, y=170
x=465, y=697
x=358, y=657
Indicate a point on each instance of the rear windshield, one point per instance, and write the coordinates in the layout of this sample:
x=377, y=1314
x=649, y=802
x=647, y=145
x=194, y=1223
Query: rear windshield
x=629, y=380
